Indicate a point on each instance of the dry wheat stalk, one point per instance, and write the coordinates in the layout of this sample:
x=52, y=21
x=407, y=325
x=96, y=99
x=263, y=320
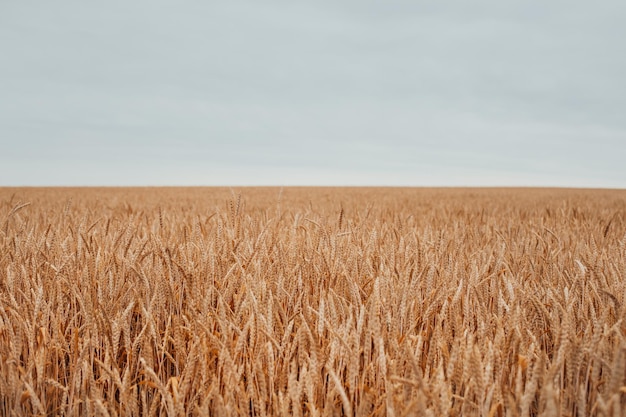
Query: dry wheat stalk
x=134, y=302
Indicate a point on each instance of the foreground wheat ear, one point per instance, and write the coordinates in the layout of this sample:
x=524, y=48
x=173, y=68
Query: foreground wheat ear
x=382, y=302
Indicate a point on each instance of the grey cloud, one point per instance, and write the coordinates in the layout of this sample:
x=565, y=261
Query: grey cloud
x=356, y=91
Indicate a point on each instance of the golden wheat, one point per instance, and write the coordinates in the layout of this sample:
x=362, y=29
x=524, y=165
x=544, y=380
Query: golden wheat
x=312, y=302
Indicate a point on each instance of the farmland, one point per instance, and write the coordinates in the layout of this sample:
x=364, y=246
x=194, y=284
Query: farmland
x=312, y=301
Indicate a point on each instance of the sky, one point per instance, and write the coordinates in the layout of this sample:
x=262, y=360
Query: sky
x=313, y=92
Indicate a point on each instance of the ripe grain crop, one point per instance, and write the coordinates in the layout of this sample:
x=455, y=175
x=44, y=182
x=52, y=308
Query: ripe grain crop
x=312, y=302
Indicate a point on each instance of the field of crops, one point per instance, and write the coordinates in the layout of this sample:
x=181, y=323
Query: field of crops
x=312, y=301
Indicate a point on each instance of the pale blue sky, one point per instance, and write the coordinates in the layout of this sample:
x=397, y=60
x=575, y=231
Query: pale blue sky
x=315, y=92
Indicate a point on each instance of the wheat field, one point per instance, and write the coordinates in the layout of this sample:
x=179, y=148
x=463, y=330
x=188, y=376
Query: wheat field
x=312, y=302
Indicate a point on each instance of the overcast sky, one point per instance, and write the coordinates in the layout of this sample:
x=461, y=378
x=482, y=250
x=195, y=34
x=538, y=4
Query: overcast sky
x=313, y=92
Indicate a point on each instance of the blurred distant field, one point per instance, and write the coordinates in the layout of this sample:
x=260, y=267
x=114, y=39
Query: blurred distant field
x=312, y=301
